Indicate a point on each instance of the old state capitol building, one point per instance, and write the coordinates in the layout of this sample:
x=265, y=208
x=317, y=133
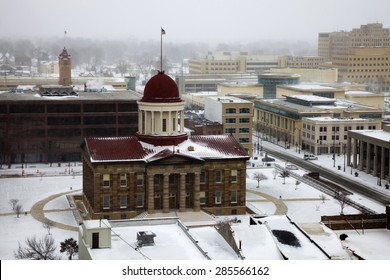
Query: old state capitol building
x=162, y=168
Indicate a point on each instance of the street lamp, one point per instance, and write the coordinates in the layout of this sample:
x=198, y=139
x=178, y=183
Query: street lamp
x=334, y=146
x=344, y=155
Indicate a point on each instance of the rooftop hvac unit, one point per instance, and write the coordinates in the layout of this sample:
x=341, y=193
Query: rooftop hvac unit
x=145, y=238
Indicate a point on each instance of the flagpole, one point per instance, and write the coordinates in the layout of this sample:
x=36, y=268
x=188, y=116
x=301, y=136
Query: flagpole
x=161, y=33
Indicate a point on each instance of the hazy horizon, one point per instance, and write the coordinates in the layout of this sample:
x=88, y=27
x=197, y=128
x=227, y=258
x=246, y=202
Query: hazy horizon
x=185, y=21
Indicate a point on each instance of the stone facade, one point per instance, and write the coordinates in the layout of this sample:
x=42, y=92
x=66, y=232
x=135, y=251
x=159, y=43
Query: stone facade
x=175, y=183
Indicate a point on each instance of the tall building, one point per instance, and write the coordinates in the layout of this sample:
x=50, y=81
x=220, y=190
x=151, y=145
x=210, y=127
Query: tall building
x=372, y=35
x=361, y=55
x=366, y=65
x=49, y=126
x=161, y=168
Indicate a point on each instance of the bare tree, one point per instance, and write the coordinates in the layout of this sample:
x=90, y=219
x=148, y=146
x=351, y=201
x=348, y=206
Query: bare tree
x=48, y=224
x=284, y=174
x=42, y=249
x=70, y=247
x=258, y=176
x=13, y=202
x=342, y=201
x=18, y=209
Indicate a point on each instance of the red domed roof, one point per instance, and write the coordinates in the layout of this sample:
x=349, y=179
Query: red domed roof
x=162, y=89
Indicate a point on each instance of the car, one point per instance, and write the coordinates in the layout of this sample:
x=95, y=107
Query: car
x=291, y=167
x=267, y=159
x=309, y=157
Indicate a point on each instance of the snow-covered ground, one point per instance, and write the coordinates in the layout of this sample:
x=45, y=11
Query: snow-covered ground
x=303, y=205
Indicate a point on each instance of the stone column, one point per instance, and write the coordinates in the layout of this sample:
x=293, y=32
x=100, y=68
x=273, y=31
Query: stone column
x=151, y=194
x=169, y=123
x=153, y=126
x=140, y=121
x=181, y=121
x=382, y=163
x=368, y=158
x=197, y=192
x=166, y=193
x=174, y=122
x=354, y=152
x=182, y=192
x=376, y=159
x=361, y=157
x=389, y=170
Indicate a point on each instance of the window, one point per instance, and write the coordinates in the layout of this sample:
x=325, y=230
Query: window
x=244, y=130
x=140, y=179
x=230, y=111
x=188, y=178
x=234, y=176
x=164, y=125
x=202, y=177
x=230, y=120
x=243, y=140
x=157, y=179
x=244, y=120
x=123, y=180
x=218, y=197
x=140, y=200
x=230, y=130
x=202, y=198
x=244, y=110
x=233, y=197
x=218, y=176
x=172, y=179
x=106, y=180
x=123, y=201
x=106, y=201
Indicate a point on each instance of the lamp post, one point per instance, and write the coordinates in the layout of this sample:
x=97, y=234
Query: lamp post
x=344, y=155
x=334, y=146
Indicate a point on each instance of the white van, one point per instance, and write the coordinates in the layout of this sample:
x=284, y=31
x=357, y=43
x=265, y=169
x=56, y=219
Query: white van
x=309, y=157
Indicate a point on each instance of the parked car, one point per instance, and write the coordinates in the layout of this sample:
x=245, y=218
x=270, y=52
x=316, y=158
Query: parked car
x=267, y=159
x=309, y=157
x=291, y=167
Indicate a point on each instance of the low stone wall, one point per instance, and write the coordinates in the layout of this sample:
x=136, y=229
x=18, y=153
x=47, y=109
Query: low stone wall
x=358, y=221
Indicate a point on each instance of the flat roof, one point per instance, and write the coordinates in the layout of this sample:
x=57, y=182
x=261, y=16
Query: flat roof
x=229, y=99
x=35, y=96
x=375, y=134
x=338, y=104
x=311, y=87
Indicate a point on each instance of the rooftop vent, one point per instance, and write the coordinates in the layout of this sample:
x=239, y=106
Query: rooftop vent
x=191, y=148
x=145, y=238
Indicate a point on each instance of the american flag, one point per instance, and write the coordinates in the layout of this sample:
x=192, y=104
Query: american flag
x=162, y=31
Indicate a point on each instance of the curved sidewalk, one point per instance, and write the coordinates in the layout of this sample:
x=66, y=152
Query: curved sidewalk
x=38, y=213
x=281, y=207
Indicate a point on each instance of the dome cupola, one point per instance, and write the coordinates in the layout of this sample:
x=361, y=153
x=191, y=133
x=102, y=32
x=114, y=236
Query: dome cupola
x=161, y=89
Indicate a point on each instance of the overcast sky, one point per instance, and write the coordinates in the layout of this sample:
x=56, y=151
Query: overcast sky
x=215, y=21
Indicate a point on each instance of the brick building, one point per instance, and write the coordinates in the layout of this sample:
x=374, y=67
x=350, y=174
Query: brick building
x=161, y=168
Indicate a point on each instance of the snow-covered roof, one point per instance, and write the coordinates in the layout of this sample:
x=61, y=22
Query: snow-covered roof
x=375, y=134
x=112, y=149
x=314, y=87
x=292, y=241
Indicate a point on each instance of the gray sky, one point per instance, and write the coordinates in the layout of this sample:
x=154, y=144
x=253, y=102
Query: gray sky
x=215, y=21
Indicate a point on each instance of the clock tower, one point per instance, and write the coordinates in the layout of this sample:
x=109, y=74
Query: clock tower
x=65, y=65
